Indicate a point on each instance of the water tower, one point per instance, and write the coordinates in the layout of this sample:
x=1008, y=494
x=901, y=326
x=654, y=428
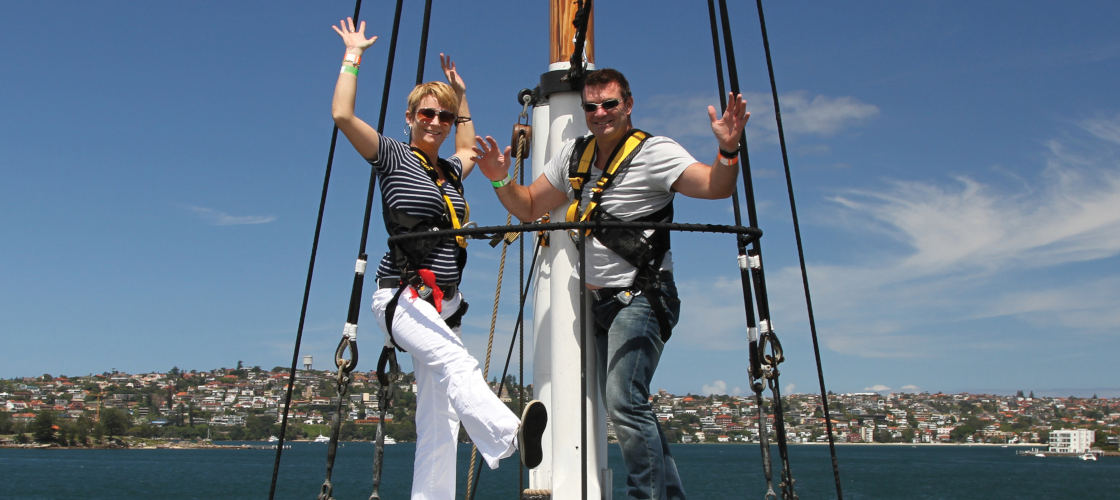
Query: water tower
x=307, y=362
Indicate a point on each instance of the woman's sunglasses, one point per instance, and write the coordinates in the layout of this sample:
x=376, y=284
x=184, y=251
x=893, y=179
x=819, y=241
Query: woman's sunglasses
x=608, y=105
x=430, y=114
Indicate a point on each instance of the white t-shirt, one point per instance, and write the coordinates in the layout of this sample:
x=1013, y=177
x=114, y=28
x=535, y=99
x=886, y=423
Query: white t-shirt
x=641, y=189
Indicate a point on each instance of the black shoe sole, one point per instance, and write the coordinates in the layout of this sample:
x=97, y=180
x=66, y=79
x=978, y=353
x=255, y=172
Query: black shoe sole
x=534, y=418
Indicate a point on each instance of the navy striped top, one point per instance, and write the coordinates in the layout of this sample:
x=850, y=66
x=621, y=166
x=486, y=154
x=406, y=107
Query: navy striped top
x=405, y=185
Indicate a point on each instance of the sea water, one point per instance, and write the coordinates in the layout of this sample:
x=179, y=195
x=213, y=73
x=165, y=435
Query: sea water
x=710, y=471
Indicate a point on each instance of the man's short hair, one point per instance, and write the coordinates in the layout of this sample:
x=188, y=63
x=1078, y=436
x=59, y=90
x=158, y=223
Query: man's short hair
x=605, y=76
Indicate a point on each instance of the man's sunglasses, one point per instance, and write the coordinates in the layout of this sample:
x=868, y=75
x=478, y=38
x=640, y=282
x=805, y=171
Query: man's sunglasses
x=608, y=105
x=430, y=114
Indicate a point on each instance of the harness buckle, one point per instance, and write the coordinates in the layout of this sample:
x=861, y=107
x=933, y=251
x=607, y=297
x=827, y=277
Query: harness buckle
x=422, y=290
x=626, y=296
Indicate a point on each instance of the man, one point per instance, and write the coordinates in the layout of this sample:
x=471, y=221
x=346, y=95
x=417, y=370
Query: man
x=629, y=272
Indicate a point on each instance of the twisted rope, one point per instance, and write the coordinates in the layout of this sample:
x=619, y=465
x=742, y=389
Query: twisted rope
x=494, y=314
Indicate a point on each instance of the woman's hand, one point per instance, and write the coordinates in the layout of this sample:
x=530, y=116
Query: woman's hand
x=493, y=162
x=453, y=76
x=355, y=40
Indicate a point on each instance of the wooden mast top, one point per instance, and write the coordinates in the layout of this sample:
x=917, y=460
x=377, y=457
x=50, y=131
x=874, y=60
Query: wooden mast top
x=562, y=33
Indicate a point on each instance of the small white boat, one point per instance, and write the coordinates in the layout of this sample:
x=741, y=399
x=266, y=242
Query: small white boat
x=273, y=439
x=1088, y=456
x=322, y=439
x=390, y=440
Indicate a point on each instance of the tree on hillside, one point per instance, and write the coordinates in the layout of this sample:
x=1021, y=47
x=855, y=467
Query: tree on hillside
x=6, y=424
x=114, y=421
x=43, y=427
x=81, y=430
x=260, y=426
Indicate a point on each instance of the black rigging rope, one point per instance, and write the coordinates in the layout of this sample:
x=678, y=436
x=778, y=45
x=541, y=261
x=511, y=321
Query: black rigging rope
x=576, y=67
x=349, y=336
x=754, y=364
x=768, y=365
x=385, y=392
x=520, y=138
x=800, y=250
x=306, y=295
x=389, y=358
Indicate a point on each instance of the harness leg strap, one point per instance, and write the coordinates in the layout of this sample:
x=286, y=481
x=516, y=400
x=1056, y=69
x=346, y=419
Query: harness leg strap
x=391, y=308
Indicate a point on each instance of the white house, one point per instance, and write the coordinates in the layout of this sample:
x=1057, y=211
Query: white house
x=1071, y=440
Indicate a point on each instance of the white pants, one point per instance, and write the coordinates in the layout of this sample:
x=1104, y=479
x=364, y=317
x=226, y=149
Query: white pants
x=450, y=389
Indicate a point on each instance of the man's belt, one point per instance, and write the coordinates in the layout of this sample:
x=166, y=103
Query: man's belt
x=624, y=295
x=448, y=289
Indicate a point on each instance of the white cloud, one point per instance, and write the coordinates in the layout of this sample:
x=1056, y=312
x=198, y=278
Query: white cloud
x=943, y=253
x=219, y=218
x=807, y=114
x=911, y=388
x=708, y=318
x=878, y=388
x=1107, y=129
x=720, y=388
x=685, y=118
x=716, y=387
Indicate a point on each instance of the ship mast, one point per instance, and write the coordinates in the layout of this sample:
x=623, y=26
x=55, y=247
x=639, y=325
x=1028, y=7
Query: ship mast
x=575, y=449
x=562, y=32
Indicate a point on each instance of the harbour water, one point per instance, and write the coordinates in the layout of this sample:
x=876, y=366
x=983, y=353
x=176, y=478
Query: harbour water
x=710, y=471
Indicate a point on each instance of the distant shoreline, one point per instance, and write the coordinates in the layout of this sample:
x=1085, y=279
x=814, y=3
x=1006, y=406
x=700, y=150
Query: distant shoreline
x=155, y=444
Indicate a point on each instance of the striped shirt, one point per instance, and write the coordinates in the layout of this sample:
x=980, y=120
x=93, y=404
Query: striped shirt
x=405, y=185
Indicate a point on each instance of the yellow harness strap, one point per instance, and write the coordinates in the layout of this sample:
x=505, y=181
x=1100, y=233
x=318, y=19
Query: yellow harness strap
x=618, y=161
x=461, y=240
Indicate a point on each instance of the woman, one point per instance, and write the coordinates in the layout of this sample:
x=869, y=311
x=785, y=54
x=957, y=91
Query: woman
x=422, y=190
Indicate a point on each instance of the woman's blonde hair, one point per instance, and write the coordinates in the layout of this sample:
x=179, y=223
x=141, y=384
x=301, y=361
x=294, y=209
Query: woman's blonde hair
x=443, y=93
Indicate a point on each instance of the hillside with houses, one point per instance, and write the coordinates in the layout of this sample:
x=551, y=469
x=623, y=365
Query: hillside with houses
x=247, y=403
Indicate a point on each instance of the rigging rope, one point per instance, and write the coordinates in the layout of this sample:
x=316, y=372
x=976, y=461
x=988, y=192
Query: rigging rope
x=754, y=365
x=766, y=366
x=520, y=152
x=388, y=355
x=576, y=67
x=800, y=252
x=350, y=332
x=303, y=305
x=349, y=337
x=518, y=328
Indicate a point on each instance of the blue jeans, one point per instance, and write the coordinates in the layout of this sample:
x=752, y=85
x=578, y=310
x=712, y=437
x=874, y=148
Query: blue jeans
x=629, y=347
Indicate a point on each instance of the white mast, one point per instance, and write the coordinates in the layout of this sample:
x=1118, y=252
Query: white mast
x=556, y=357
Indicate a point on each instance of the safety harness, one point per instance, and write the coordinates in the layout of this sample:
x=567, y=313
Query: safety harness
x=632, y=244
x=409, y=255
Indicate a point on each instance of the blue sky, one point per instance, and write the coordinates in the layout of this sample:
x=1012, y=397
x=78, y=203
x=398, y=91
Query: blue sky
x=955, y=166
